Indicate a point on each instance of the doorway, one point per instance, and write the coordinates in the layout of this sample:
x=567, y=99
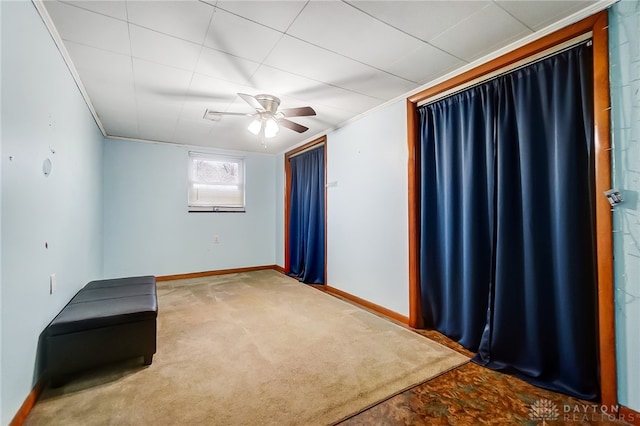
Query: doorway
x=305, y=212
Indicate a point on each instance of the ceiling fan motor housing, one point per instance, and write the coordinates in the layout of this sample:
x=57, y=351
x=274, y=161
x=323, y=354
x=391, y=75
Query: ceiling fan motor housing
x=269, y=103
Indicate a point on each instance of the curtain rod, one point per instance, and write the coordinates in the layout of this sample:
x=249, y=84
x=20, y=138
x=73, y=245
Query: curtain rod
x=509, y=68
x=314, y=146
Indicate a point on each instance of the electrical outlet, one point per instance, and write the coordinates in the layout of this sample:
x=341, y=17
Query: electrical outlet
x=216, y=239
x=52, y=283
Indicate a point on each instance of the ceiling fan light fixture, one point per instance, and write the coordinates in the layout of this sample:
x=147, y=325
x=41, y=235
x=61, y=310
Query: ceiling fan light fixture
x=271, y=128
x=255, y=126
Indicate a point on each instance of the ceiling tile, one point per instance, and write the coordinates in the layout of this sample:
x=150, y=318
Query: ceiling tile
x=156, y=128
x=319, y=64
x=332, y=117
x=108, y=79
x=157, y=119
x=103, y=99
x=311, y=61
x=79, y=25
x=102, y=65
x=314, y=93
x=225, y=66
x=160, y=81
x=208, y=93
x=239, y=105
x=422, y=19
x=119, y=122
x=233, y=135
x=114, y=9
x=381, y=85
x=274, y=14
x=188, y=20
x=539, y=14
x=193, y=133
x=341, y=28
x=424, y=64
x=162, y=109
x=163, y=49
x=480, y=34
x=240, y=37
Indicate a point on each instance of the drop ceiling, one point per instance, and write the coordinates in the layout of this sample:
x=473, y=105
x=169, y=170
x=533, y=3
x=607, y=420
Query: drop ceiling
x=150, y=69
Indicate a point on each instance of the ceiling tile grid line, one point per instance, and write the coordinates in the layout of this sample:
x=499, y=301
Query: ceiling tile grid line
x=513, y=16
x=353, y=4
x=288, y=32
x=135, y=89
x=202, y=47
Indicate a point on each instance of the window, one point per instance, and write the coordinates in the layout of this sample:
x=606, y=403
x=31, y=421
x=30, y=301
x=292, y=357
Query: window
x=216, y=183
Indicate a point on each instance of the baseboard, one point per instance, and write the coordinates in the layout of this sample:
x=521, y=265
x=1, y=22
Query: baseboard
x=355, y=299
x=28, y=403
x=279, y=269
x=630, y=416
x=369, y=305
x=217, y=272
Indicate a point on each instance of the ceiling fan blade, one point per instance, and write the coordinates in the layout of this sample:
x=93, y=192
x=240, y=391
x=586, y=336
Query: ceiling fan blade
x=180, y=95
x=297, y=112
x=251, y=101
x=215, y=115
x=293, y=126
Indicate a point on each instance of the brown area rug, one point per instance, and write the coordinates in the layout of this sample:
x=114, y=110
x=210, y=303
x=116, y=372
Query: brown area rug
x=251, y=349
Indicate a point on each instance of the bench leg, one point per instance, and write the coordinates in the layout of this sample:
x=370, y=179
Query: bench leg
x=148, y=359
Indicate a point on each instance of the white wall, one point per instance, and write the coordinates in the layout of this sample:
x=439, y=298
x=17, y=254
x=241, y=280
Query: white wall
x=367, y=240
x=624, y=39
x=42, y=110
x=148, y=229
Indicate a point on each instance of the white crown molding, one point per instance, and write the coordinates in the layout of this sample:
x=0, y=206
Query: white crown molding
x=189, y=147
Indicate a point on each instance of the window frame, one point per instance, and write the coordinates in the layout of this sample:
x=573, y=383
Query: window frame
x=213, y=206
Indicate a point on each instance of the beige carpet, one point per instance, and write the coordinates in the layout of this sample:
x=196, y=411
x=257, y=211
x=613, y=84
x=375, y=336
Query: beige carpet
x=251, y=349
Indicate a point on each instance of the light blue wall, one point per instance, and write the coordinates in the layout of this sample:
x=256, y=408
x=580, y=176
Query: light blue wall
x=624, y=36
x=42, y=111
x=1, y=410
x=147, y=227
x=367, y=218
x=280, y=182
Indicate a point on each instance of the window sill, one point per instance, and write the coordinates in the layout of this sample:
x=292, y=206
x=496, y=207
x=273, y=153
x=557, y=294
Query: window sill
x=211, y=209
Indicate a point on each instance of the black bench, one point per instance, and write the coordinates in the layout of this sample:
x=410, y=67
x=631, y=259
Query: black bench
x=106, y=321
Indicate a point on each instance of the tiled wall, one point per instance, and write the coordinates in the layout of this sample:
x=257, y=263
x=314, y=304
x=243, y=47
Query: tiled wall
x=624, y=43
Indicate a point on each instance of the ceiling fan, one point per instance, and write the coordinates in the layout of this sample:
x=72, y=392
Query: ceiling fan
x=267, y=119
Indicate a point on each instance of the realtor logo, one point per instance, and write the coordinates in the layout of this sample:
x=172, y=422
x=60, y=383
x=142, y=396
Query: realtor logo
x=543, y=410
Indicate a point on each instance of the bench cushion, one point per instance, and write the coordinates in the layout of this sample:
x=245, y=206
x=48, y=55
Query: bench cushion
x=117, y=282
x=95, y=294
x=107, y=302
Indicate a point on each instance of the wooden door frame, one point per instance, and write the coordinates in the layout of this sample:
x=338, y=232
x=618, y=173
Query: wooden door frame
x=321, y=141
x=597, y=25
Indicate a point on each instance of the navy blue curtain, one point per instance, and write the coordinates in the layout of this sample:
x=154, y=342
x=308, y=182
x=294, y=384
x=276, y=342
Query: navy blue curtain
x=306, y=217
x=540, y=293
x=457, y=158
